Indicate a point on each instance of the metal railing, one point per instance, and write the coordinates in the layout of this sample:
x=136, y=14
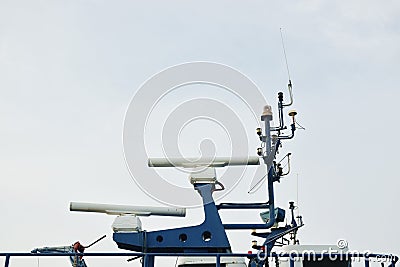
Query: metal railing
x=292, y=257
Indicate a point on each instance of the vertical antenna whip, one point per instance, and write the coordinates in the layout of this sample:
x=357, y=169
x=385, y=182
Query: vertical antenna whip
x=284, y=52
x=297, y=193
x=287, y=68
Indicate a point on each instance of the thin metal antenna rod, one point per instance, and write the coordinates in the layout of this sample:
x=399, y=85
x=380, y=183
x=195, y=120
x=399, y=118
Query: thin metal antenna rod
x=297, y=193
x=284, y=52
x=287, y=68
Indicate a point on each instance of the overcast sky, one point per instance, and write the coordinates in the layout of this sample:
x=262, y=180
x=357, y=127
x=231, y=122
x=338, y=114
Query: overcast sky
x=68, y=70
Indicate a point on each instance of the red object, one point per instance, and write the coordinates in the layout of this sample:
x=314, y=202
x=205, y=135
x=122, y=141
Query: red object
x=78, y=248
x=249, y=252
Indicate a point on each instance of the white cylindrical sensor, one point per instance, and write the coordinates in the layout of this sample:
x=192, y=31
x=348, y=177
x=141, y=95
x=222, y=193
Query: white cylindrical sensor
x=127, y=209
x=203, y=162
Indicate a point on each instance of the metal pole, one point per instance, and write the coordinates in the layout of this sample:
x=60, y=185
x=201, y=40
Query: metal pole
x=266, y=117
x=267, y=136
x=148, y=261
x=366, y=262
x=291, y=262
x=7, y=260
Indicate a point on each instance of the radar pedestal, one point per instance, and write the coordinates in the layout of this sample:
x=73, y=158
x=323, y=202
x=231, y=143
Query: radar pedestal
x=209, y=236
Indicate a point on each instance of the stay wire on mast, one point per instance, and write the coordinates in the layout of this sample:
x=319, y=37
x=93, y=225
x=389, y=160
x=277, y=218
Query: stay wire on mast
x=259, y=183
x=300, y=127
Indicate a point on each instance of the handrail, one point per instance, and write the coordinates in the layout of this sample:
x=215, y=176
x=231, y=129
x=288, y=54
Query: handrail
x=291, y=256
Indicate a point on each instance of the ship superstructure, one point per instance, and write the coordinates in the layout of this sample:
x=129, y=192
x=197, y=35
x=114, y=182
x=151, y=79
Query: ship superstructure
x=207, y=244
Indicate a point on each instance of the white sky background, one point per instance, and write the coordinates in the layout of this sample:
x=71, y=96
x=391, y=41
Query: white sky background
x=68, y=70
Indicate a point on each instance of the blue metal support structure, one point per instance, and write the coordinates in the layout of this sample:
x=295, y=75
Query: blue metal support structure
x=209, y=236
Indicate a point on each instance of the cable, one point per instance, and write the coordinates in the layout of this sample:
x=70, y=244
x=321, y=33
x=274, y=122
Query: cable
x=300, y=127
x=257, y=184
